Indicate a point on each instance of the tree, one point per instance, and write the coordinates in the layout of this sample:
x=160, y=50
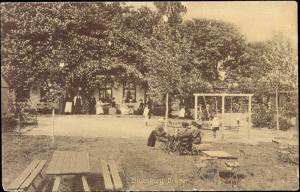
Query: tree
x=268, y=67
x=36, y=37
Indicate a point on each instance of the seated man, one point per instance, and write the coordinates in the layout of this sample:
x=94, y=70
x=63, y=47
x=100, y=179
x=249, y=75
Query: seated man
x=196, y=133
x=157, y=133
x=189, y=135
x=185, y=137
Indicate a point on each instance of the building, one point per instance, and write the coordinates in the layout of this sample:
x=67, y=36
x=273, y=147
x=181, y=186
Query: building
x=130, y=94
x=7, y=95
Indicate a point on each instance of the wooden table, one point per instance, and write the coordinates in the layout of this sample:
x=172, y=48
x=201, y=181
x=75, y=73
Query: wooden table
x=230, y=167
x=219, y=154
x=68, y=163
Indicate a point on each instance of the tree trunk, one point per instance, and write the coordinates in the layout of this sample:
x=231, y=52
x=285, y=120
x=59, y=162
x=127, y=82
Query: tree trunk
x=167, y=109
x=52, y=125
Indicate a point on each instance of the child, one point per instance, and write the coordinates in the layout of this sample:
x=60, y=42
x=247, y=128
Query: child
x=146, y=114
x=215, y=125
x=182, y=113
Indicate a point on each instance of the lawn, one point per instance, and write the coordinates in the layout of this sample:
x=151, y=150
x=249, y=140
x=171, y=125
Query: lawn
x=143, y=168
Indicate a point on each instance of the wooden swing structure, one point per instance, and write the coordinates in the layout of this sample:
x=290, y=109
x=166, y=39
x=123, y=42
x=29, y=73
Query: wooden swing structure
x=223, y=95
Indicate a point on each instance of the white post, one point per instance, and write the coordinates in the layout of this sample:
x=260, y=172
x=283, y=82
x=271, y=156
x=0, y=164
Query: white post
x=230, y=104
x=167, y=109
x=196, y=107
x=222, y=126
x=52, y=125
x=249, y=116
x=277, y=110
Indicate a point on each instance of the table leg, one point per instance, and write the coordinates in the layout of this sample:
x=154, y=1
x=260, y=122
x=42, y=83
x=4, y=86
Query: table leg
x=56, y=184
x=85, y=184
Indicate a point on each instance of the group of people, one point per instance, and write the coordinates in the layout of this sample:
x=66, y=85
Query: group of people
x=189, y=132
x=80, y=104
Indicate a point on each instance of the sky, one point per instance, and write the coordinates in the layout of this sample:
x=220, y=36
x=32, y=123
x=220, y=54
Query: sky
x=257, y=20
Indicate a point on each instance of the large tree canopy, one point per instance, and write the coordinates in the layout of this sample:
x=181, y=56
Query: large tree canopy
x=174, y=56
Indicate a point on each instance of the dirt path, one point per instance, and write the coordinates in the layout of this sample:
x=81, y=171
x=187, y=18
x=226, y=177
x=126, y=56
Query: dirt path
x=134, y=127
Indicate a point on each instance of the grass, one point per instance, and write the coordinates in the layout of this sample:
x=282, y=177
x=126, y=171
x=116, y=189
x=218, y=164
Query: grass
x=143, y=168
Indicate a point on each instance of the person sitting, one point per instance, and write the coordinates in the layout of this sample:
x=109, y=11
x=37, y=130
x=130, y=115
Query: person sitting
x=184, y=137
x=157, y=133
x=184, y=131
x=196, y=133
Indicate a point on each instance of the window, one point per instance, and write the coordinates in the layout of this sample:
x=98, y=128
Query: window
x=22, y=93
x=129, y=92
x=42, y=95
x=105, y=92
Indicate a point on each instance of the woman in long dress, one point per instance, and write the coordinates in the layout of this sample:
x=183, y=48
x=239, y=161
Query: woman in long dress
x=99, y=109
x=68, y=106
x=123, y=108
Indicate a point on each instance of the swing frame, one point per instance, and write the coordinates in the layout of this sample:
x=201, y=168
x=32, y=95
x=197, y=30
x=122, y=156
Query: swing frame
x=223, y=95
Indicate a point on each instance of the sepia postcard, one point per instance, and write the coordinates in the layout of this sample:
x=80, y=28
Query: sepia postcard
x=149, y=96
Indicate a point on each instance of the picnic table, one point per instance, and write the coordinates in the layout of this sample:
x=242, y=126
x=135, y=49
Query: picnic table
x=231, y=167
x=68, y=163
x=219, y=154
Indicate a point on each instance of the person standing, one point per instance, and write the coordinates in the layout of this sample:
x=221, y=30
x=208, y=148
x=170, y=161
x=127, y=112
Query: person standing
x=149, y=104
x=146, y=114
x=182, y=112
x=141, y=107
x=77, y=104
x=99, y=109
x=68, y=106
x=113, y=103
x=61, y=102
x=92, y=104
x=86, y=103
x=215, y=125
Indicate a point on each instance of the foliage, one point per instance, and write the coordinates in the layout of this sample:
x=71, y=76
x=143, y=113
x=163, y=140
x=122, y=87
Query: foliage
x=261, y=116
x=268, y=66
x=284, y=123
x=8, y=123
x=21, y=107
x=175, y=57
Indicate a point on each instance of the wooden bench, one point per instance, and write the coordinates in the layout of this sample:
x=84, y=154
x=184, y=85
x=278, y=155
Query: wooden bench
x=26, y=178
x=112, y=180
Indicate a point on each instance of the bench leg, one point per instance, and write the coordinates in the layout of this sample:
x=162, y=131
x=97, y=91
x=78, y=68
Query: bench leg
x=56, y=184
x=85, y=184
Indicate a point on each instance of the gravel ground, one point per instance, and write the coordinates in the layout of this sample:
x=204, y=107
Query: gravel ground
x=134, y=127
